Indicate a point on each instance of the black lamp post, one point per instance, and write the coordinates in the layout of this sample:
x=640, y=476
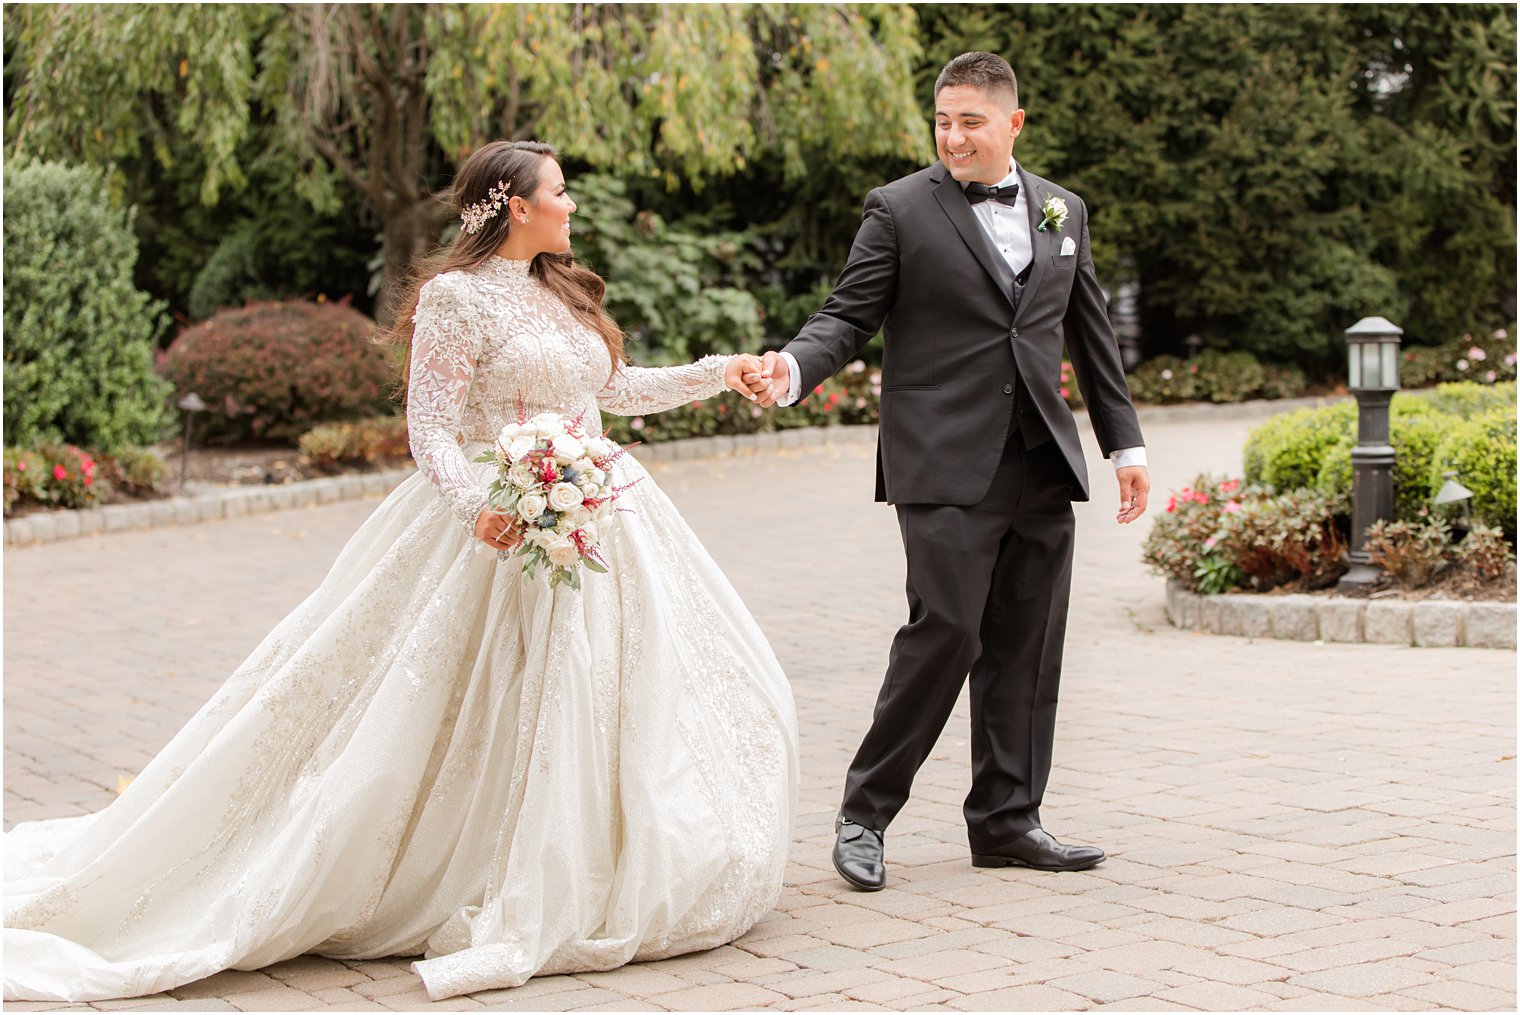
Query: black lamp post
x=190, y=404
x=1374, y=360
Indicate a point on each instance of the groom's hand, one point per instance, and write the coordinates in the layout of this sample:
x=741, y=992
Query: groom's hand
x=1134, y=491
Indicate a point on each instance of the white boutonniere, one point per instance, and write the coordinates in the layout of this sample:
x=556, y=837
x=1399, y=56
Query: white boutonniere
x=1055, y=213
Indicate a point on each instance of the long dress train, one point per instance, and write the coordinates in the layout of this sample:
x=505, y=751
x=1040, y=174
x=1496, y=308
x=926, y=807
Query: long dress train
x=432, y=756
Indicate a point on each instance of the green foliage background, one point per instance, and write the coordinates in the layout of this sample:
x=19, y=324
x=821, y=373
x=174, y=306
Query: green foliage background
x=80, y=336
x=1266, y=174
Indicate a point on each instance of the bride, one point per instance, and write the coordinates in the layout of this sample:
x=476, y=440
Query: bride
x=432, y=755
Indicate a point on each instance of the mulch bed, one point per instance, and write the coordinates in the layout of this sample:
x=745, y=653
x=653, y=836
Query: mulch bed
x=1450, y=585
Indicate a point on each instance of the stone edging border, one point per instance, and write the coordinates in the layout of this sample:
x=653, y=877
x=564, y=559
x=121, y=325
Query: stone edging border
x=236, y=501
x=1428, y=622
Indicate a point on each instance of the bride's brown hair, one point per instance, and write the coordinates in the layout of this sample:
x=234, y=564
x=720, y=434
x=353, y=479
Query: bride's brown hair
x=519, y=165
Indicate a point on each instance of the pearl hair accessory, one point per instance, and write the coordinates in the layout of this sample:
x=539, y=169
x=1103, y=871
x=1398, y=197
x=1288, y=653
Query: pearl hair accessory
x=478, y=214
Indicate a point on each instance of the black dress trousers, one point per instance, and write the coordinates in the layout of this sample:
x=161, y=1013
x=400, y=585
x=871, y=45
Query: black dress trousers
x=988, y=587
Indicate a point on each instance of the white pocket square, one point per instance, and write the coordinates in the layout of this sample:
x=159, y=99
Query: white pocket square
x=1068, y=247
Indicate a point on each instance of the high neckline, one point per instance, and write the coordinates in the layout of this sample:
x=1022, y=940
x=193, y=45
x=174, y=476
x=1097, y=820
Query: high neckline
x=507, y=267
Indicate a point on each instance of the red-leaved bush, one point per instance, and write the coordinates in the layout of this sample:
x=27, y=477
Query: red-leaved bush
x=276, y=369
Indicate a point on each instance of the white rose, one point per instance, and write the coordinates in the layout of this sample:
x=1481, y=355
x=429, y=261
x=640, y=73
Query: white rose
x=521, y=476
x=547, y=424
x=579, y=515
x=508, y=432
x=563, y=553
x=597, y=476
x=563, y=496
x=601, y=447
x=567, y=447
x=519, y=447
x=530, y=506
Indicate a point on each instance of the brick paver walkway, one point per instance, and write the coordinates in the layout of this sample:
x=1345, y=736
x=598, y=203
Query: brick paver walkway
x=1290, y=826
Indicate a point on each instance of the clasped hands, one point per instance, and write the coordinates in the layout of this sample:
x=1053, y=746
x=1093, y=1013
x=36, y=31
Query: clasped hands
x=763, y=380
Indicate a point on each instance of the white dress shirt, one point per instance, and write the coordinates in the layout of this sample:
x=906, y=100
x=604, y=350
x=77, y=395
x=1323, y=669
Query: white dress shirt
x=1008, y=229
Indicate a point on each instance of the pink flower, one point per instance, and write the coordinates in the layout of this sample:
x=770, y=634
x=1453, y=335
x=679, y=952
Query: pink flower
x=59, y=472
x=1490, y=377
x=1477, y=353
x=1209, y=543
x=1509, y=359
x=1462, y=364
x=1500, y=333
x=21, y=466
x=1065, y=392
x=1231, y=507
x=697, y=404
x=1201, y=497
x=756, y=411
x=1229, y=485
x=637, y=423
x=1171, y=504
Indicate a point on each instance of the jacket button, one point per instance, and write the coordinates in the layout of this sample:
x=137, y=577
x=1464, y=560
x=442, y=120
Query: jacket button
x=1014, y=333
x=1008, y=389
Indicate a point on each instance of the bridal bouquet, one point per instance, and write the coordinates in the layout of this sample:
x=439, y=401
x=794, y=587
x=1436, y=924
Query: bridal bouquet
x=556, y=479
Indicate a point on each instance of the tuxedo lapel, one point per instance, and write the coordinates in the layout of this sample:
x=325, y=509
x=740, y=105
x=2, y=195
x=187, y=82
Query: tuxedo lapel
x=1036, y=191
x=952, y=199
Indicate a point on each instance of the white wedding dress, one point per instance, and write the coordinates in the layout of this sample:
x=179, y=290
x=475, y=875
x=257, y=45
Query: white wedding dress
x=430, y=756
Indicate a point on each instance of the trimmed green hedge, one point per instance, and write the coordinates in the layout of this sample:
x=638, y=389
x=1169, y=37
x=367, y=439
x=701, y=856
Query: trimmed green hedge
x=1482, y=451
x=1467, y=427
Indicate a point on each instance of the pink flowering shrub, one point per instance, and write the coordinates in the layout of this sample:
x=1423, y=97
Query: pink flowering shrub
x=1486, y=358
x=274, y=370
x=57, y=475
x=1219, y=534
x=1184, y=541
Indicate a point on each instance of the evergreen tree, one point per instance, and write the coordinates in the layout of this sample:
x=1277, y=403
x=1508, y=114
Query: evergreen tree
x=79, y=336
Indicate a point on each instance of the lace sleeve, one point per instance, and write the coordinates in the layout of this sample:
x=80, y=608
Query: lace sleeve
x=445, y=347
x=635, y=390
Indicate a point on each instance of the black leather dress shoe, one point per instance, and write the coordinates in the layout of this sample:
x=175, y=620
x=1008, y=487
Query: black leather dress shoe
x=857, y=855
x=1039, y=850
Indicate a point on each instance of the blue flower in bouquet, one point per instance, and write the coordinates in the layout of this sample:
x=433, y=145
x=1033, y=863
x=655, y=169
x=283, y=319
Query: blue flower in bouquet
x=548, y=520
x=570, y=475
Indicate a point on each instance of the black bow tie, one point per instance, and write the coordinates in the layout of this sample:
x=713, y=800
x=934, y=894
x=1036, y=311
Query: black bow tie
x=976, y=193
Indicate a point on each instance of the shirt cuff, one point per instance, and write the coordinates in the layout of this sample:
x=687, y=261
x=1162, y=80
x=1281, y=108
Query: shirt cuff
x=794, y=373
x=1126, y=457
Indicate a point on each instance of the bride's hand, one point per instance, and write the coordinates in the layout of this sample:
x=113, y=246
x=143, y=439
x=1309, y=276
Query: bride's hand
x=498, y=531
x=743, y=376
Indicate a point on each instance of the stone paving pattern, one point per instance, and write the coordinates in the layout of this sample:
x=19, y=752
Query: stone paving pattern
x=1291, y=826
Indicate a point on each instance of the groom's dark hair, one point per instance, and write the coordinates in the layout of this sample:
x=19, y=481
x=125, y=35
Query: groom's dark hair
x=986, y=71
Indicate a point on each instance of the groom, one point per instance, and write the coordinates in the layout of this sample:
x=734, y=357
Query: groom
x=978, y=270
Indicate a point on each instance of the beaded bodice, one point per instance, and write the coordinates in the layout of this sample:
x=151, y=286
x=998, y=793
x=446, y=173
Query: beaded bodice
x=491, y=339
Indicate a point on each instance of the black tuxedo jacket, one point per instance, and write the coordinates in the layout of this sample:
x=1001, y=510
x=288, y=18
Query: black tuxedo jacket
x=959, y=345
